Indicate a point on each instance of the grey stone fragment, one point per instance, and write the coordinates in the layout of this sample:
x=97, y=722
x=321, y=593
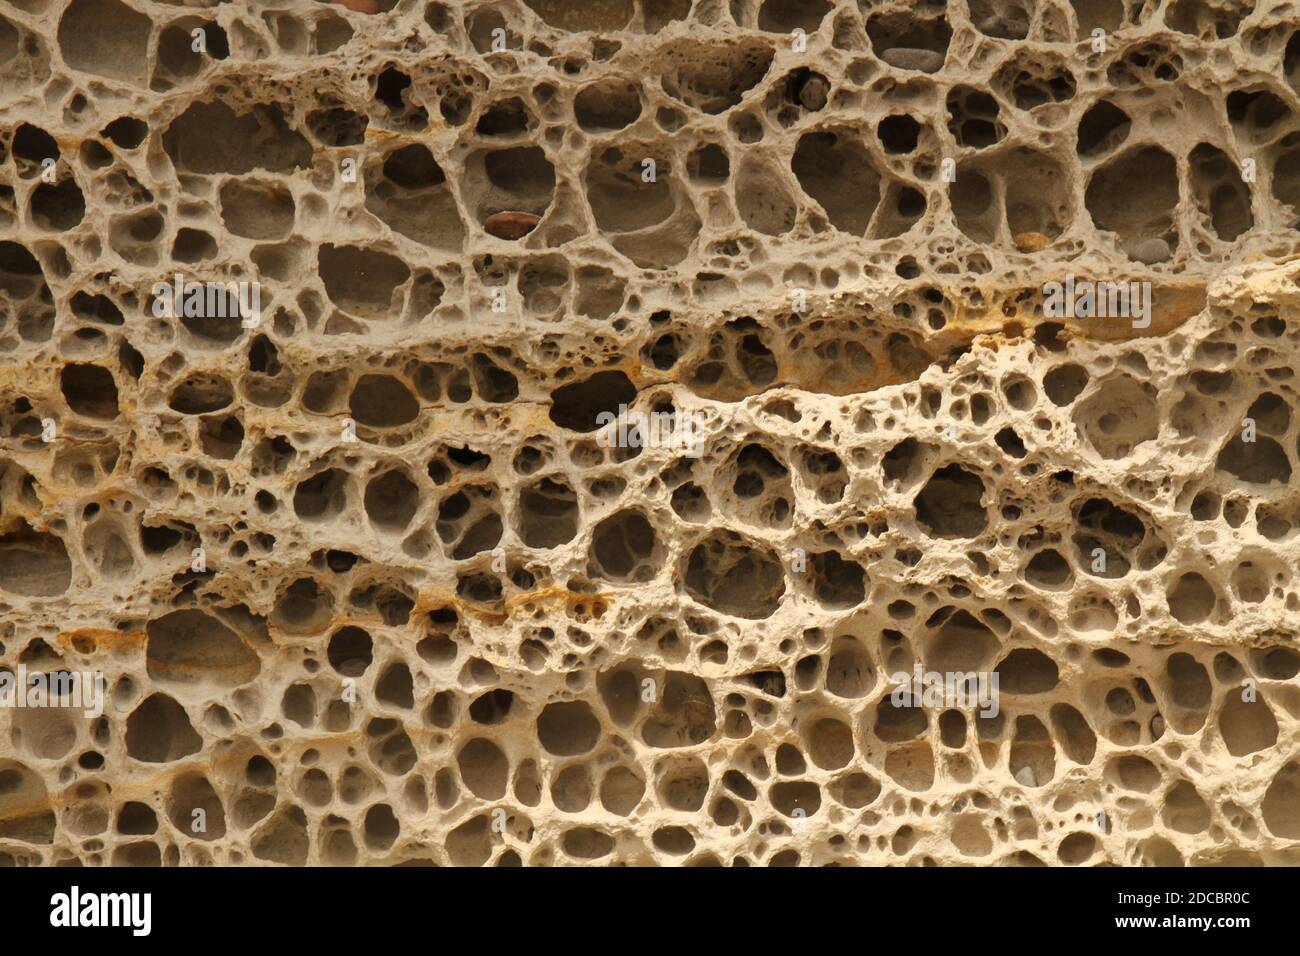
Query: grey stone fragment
x=1150, y=251
x=1006, y=28
x=813, y=93
x=909, y=58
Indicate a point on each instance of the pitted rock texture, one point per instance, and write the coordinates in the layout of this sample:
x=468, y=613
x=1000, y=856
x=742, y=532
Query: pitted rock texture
x=364, y=584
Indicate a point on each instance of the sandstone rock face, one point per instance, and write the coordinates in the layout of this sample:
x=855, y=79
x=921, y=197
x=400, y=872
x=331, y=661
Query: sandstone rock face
x=530, y=432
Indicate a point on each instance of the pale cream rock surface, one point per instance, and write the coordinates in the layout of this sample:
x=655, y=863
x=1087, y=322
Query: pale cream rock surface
x=366, y=587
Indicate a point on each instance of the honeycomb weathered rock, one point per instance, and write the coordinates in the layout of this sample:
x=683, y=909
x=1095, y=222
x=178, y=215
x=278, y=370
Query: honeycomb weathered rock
x=368, y=583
